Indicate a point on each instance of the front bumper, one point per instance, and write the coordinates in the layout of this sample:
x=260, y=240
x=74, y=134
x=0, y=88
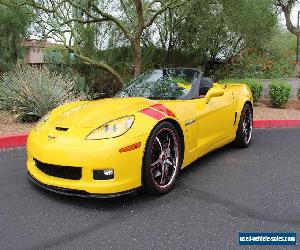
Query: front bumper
x=78, y=193
x=88, y=155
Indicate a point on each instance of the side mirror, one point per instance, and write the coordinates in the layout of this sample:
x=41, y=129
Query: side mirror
x=214, y=92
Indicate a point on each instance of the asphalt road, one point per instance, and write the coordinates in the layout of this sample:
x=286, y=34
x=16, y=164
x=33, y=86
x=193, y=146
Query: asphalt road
x=229, y=191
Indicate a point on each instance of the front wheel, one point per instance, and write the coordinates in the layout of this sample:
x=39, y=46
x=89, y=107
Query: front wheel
x=245, y=127
x=162, y=159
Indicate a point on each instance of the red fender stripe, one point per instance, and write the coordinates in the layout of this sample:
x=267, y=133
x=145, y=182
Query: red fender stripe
x=153, y=113
x=163, y=109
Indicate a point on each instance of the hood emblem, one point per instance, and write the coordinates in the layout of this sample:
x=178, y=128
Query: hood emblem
x=50, y=137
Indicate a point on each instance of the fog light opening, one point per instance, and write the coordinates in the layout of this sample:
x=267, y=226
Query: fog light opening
x=103, y=174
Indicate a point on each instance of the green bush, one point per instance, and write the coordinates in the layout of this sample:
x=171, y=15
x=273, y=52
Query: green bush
x=299, y=94
x=30, y=93
x=279, y=93
x=255, y=85
x=256, y=63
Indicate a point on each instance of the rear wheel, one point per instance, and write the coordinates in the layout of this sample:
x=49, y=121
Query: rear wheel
x=162, y=159
x=245, y=127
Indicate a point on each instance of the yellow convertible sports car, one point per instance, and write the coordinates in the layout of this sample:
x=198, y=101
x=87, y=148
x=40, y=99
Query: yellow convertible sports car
x=156, y=125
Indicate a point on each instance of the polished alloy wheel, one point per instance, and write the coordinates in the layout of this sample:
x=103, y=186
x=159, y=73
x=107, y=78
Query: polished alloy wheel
x=164, y=157
x=247, y=126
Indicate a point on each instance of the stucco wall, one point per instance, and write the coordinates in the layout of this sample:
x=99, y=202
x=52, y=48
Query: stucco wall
x=34, y=55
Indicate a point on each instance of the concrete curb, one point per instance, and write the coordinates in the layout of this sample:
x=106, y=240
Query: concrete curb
x=13, y=141
x=276, y=123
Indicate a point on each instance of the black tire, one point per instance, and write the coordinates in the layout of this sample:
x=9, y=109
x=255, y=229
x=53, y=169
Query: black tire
x=160, y=169
x=244, y=134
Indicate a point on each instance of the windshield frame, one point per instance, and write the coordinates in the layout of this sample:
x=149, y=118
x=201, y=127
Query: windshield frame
x=187, y=96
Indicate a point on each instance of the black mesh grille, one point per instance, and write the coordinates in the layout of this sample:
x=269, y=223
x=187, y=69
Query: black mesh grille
x=72, y=173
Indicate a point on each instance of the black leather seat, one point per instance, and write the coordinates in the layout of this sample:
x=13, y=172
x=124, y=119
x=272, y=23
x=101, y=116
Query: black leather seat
x=205, y=84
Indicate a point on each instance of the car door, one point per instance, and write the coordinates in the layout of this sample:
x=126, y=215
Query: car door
x=219, y=114
x=212, y=121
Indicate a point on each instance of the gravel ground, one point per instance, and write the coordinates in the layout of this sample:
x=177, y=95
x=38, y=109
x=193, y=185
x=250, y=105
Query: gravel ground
x=265, y=112
x=9, y=125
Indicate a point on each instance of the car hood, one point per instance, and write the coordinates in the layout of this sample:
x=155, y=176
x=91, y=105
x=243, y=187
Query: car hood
x=95, y=113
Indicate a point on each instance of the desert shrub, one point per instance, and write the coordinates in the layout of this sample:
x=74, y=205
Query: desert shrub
x=279, y=93
x=255, y=63
x=299, y=94
x=255, y=85
x=30, y=93
x=81, y=88
x=4, y=67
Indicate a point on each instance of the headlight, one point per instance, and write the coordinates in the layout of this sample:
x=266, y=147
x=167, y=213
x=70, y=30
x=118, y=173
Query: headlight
x=112, y=129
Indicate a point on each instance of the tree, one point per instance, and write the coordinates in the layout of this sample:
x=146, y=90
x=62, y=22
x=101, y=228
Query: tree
x=169, y=27
x=215, y=30
x=286, y=7
x=282, y=45
x=14, y=21
x=131, y=17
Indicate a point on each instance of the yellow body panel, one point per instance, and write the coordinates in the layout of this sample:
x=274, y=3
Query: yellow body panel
x=205, y=126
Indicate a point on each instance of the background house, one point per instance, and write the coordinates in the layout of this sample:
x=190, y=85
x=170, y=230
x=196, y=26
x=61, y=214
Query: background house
x=33, y=52
x=37, y=53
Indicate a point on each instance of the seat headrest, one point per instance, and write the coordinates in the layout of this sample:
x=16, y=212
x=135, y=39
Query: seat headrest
x=206, y=82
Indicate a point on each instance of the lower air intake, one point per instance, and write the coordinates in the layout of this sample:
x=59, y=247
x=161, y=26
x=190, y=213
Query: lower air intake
x=71, y=173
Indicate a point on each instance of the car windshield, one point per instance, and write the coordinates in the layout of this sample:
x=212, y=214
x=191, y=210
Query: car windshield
x=161, y=84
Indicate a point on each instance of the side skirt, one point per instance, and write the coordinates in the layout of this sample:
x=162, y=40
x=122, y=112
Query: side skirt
x=213, y=147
